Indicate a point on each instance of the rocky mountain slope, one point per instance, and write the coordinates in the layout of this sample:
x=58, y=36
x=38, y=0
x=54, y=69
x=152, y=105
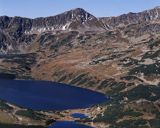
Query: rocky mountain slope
x=16, y=33
x=148, y=16
x=119, y=56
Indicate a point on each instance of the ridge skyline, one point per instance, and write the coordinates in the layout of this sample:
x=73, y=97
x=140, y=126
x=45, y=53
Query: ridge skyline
x=84, y=10
x=39, y=8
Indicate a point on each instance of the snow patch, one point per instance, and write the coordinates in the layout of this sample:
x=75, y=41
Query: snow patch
x=66, y=26
x=157, y=14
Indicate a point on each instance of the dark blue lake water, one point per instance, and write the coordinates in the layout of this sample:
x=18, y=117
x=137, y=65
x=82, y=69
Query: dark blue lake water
x=68, y=124
x=79, y=115
x=41, y=95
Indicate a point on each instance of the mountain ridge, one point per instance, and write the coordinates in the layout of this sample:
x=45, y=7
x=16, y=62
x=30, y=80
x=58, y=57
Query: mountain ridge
x=132, y=18
x=79, y=18
x=21, y=32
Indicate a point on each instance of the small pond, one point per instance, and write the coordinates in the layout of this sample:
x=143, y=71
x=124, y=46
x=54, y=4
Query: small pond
x=68, y=124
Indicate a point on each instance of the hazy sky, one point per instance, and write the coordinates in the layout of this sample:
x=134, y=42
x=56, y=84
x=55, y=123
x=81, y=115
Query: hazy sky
x=99, y=8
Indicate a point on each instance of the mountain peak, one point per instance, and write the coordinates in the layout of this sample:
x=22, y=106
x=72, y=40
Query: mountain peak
x=79, y=9
x=79, y=13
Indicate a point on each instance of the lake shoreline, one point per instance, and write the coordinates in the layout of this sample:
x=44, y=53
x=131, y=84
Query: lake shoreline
x=23, y=89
